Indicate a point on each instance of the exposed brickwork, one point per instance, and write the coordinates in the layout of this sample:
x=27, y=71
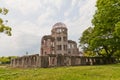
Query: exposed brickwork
x=53, y=60
x=57, y=50
x=58, y=43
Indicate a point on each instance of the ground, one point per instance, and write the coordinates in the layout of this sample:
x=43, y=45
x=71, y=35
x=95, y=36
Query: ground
x=103, y=72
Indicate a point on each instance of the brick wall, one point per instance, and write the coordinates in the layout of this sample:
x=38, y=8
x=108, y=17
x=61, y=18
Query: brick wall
x=58, y=60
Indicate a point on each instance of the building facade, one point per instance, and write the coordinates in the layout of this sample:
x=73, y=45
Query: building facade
x=57, y=50
x=57, y=43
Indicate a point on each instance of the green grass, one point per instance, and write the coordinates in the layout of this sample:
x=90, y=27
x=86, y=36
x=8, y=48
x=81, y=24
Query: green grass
x=103, y=72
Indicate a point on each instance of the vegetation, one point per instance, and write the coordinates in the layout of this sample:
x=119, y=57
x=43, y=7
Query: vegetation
x=4, y=28
x=6, y=60
x=105, y=72
x=104, y=38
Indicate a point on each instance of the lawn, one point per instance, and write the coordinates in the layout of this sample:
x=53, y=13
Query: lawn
x=103, y=72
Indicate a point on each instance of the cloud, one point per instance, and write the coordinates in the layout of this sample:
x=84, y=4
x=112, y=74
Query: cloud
x=75, y=2
x=57, y=3
x=46, y=16
x=28, y=27
x=24, y=6
x=77, y=24
x=31, y=19
x=16, y=46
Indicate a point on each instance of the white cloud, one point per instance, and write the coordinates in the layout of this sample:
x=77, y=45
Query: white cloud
x=57, y=3
x=24, y=6
x=67, y=13
x=31, y=19
x=28, y=27
x=86, y=13
x=17, y=45
x=83, y=20
x=74, y=2
x=46, y=15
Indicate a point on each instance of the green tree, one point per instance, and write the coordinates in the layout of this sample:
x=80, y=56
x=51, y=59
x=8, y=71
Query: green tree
x=4, y=28
x=6, y=60
x=105, y=37
x=85, y=39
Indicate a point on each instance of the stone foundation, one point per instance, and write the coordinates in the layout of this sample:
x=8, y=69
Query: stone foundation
x=33, y=61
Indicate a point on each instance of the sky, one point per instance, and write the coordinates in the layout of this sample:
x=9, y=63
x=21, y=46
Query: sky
x=32, y=19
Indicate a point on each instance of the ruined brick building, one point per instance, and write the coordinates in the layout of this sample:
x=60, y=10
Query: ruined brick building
x=57, y=50
x=58, y=43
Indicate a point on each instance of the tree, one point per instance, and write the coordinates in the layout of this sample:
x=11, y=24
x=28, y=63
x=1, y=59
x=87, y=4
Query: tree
x=85, y=39
x=6, y=60
x=105, y=39
x=3, y=27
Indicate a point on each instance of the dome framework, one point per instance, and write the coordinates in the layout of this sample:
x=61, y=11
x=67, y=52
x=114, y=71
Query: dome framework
x=59, y=25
